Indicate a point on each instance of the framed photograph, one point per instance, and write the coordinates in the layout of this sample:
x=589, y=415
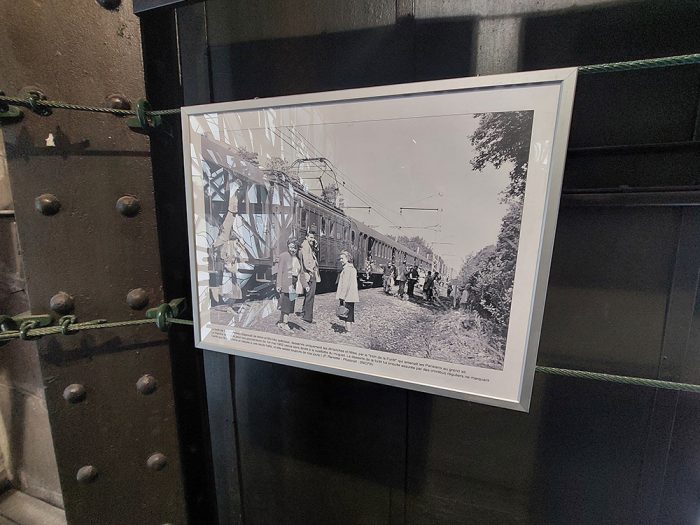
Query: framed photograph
x=399, y=234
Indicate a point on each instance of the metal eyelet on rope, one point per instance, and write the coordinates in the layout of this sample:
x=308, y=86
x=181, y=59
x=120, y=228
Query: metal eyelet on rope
x=144, y=121
x=8, y=112
x=24, y=330
x=65, y=322
x=165, y=312
x=33, y=102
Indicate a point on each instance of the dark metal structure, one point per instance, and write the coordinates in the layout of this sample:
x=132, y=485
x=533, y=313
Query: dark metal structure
x=85, y=212
x=313, y=448
x=146, y=432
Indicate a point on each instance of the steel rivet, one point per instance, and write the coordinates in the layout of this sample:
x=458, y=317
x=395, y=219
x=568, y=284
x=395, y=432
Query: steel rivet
x=118, y=102
x=156, y=461
x=86, y=474
x=47, y=204
x=74, y=393
x=137, y=298
x=62, y=303
x=128, y=205
x=146, y=384
x=109, y=4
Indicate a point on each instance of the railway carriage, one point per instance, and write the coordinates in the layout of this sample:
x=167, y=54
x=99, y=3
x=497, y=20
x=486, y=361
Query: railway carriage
x=251, y=212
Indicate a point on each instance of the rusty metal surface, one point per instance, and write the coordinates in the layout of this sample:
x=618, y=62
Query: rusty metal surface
x=94, y=254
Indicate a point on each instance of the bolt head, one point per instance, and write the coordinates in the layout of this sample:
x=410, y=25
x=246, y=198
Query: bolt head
x=128, y=205
x=62, y=303
x=47, y=204
x=146, y=384
x=137, y=299
x=157, y=461
x=118, y=102
x=74, y=393
x=87, y=474
x=109, y=4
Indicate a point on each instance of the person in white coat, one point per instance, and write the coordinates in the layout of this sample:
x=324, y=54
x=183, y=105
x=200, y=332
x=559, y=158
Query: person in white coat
x=347, y=292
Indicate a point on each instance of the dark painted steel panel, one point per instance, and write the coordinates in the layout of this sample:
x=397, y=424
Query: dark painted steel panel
x=89, y=250
x=160, y=35
x=141, y=6
x=317, y=448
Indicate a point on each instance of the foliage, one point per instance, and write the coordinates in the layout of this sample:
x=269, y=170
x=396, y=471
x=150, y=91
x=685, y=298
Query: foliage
x=329, y=193
x=500, y=139
x=490, y=273
x=415, y=243
x=473, y=263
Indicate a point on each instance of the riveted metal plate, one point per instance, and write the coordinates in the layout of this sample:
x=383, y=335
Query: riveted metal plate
x=96, y=255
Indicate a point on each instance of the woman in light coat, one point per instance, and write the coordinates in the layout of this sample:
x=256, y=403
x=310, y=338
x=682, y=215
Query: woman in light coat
x=347, y=292
x=288, y=273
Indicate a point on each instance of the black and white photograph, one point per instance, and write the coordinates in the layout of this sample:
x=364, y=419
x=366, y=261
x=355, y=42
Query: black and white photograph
x=382, y=225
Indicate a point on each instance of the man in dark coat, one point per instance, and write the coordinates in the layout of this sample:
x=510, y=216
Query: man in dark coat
x=401, y=278
x=412, y=280
x=309, y=264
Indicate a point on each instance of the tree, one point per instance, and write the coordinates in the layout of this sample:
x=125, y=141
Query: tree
x=473, y=264
x=415, y=243
x=501, y=138
x=329, y=194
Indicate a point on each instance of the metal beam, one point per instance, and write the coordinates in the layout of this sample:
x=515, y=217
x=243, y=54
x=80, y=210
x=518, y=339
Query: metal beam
x=83, y=246
x=141, y=6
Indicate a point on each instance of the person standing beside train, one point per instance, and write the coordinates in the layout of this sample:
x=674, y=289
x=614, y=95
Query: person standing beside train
x=412, y=280
x=309, y=263
x=347, y=292
x=288, y=272
x=401, y=278
x=389, y=271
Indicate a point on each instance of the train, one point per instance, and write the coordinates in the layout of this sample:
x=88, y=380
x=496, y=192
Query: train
x=251, y=212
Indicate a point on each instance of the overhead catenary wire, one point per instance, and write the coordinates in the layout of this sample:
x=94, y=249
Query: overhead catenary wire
x=357, y=192
x=350, y=186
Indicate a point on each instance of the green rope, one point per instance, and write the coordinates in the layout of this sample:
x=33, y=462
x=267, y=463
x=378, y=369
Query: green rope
x=625, y=380
x=631, y=65
x=646, y=63
x=161, y=112
x=175, y=320
x=29, y=103
x=581, y=374
x=72, y=328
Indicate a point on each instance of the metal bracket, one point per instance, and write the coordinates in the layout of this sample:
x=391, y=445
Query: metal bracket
x=143, y=122
x=8, y=112
x=166, y=311
x=23, y=323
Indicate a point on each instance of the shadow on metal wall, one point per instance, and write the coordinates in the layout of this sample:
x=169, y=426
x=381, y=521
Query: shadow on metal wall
x=315, y=448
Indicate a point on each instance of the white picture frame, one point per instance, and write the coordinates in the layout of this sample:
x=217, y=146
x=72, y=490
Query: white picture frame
x=219, y=135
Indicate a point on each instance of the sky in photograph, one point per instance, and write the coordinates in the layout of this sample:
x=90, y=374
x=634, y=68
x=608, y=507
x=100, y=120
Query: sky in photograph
x=422, y=163
x=389, y=156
